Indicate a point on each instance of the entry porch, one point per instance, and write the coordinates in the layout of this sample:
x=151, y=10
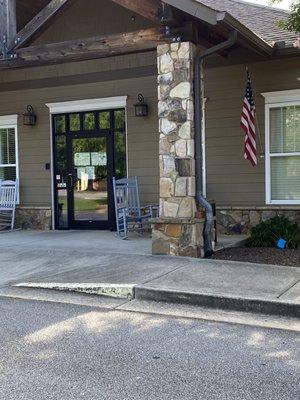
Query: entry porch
x=78, y=81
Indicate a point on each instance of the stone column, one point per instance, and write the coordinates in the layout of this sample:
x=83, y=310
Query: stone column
x=177, y=231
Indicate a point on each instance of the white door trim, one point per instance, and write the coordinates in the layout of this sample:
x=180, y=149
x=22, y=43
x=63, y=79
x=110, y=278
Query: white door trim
x=105, y=103
x=52, y=173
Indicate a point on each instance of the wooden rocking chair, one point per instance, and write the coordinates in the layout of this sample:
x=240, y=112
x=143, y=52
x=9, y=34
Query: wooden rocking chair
x=129, y=213
x=8, y=200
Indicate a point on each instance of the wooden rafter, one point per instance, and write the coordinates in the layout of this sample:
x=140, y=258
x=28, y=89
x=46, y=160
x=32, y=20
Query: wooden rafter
x=40, y=22
x=85, y=49
x=8, y=23
x=146, y=8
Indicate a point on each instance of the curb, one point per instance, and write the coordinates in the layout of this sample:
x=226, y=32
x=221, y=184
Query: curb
x=270, y=307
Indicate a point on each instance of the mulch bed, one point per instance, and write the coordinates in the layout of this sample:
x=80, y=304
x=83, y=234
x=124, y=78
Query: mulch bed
x=261, y=255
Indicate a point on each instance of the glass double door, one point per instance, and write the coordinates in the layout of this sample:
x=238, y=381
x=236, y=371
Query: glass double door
x=85, y=162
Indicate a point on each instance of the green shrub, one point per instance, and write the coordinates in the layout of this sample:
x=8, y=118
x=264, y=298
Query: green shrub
x=267, y=233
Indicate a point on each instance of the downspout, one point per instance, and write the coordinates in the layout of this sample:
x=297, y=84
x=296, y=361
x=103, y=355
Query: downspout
x=209, y=218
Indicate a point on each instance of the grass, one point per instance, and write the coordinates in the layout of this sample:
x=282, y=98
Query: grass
x=84, y=204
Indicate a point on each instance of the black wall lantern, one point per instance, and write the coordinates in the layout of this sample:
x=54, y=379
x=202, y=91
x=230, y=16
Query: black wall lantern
x=29, y=117
x=141, y=108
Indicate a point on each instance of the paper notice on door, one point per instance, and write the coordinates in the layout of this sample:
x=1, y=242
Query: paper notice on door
x=82, y=159
x=99, y=158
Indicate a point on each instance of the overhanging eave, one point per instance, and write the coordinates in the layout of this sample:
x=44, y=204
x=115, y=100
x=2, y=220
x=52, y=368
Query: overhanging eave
x=196, y=10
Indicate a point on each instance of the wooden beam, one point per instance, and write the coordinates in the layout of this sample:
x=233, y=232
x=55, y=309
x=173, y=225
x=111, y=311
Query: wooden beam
x=8, y=24
x=148, y=9
x=86, y=49
x=207, y=38
x=52, y=10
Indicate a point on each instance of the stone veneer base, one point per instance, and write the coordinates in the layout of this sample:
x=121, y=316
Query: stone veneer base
x=34, y=218
x=239, y=220
x=178, y=237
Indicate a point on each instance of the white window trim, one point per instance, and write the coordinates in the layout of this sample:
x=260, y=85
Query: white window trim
x=105, y=103
x=274, y=100
x=8, y=119
x=8, y=122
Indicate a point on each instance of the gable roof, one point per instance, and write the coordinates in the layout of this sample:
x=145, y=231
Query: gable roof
x=256, y=23
x=262, y=20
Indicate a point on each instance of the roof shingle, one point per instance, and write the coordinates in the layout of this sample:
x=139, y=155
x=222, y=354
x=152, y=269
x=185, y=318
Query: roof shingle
x=262, y=20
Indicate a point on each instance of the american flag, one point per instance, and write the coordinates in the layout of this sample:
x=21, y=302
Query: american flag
x=248, y=124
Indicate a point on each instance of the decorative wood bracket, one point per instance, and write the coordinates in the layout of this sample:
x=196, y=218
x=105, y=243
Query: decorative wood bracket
x=39, y=22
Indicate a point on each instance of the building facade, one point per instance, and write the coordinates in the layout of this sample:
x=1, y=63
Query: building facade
x=87, y=130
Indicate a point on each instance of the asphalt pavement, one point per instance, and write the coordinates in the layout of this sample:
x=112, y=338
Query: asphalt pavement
x=64, y=352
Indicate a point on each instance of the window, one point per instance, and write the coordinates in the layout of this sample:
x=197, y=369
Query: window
x=60, y=124
x=8, y=148
x=74, y=122
x=283, y=147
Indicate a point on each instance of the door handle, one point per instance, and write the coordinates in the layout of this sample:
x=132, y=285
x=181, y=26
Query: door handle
x=71, y=180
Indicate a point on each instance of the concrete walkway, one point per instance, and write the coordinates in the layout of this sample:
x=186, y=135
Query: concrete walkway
x=97, y=260
x=86, y=240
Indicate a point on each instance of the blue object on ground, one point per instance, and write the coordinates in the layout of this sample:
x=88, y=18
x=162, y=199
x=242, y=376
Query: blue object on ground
x=281, y=243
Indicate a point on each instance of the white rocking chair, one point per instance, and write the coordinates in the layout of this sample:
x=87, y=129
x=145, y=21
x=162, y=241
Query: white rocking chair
x=129, y=213
x=8, y=200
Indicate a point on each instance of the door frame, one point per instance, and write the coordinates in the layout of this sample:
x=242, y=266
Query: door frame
x=95, y=225
x=100, y=104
